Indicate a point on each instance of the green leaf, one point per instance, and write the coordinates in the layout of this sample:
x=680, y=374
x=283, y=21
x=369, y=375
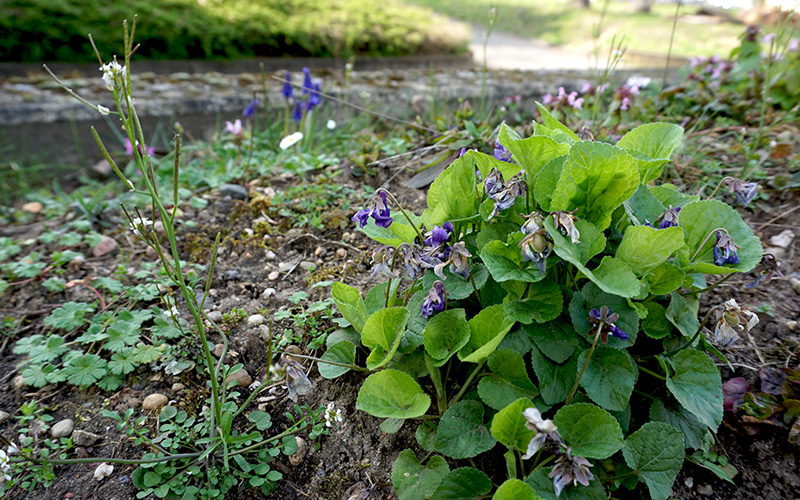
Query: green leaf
x=342, y=352
x=665, y=279
x=457, y=287
x=591, y=297
x=546, y=182
x=655, y=325
x=609, y=377
x=412, y=480
x=52, y=348
x=514, y=489
x=143, y=353
x=69, y=316
x=487, y=329
x=486, y=163
x=596, y=178
x=643, y=206
x=84, y=370
x=496, y=231
x=465, y=483
x=557, y=340
x=543, y=303
x=392, y=394
x=655, y=453
x=508, y=425
x=656, y=142
x=462, y=432
x=671, y=196
x=701, y=218
x=591, y=431
x=452, y=195
x=682, y=312
x=543, y=485
x=550, y=122
x=508, y=382
x=533, y=153
x=445, y=334
x=505, y=261
x=399, y=232
x=693, y=430
x=262, y=419
x=391, y=425
x=121, y=334
x=110, y=382
x=644, y=248
x=612, y=275
x=350, y=304
x=555, y=379
x=39, y=375
x=426, y=435
x=122, y=362
x=382, y=332
x=697, y=386
x=164, y=329
x=376, y=297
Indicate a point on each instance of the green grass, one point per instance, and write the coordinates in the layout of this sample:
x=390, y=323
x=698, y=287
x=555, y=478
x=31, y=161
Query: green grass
x=561, y=23
x=56, y=30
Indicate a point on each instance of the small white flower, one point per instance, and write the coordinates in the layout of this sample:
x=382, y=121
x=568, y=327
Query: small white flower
x=638, y=81
x=172, y=313
x=13, y=449
x=111, y=72
x=290, y=140
x=103, y=471
x=332, y=415
x=103, y=110
x=138, y=223
x=331, y=125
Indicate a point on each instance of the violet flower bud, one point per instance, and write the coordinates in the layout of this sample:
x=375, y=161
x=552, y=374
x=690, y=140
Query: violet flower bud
x=434, y=302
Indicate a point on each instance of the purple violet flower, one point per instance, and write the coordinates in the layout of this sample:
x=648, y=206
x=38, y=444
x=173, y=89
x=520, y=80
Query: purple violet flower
x=501, y=153
x=725, y=250
x=669, y=218
x=434, y=302
x=250, y=110
x=287, y=92
x=439, y=234
x=381, y=216
x=605, y=321
x=297, y=114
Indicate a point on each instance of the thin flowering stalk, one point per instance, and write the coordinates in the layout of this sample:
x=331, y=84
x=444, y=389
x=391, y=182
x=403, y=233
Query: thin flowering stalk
x=710, y=234
x=402, y=210
x=585, y=364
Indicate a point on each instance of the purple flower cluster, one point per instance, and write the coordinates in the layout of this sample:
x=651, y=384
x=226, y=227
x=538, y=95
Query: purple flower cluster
x=310, y=95
x=710, y=71
x=668, y=219
x=501, y=153
x=381, y=215
x=563, y=100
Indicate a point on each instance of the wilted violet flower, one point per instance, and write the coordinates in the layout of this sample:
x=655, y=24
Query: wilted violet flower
x=565, y=222
x=381, y=215
x=501, y=153
x=725, y=249
x=459, y=260
x=731, y=321
x=534, y=222
x=745, y=192
x=568, y=469
x=769, y=268
x=493, y=183
x=296, y=380
x=506, y=197
x=536, y=247
x=605, y=321
x=435, y=301
x=543, y=428
x=412, y=259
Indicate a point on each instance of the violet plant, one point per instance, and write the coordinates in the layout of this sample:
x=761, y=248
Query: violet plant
x=548, y=315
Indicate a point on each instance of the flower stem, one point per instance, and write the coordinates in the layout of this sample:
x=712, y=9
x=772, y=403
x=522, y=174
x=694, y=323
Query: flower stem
x=467, y=383
x=710, y=234
x=652, y=373
x=408, y=218
x=718, y=186
x=334, y=363
x=585, y=364
x=694, y=337
x=710, y=287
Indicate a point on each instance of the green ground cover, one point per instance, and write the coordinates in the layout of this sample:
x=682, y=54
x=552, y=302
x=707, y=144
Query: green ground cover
x=55, y=30
x=562, y=23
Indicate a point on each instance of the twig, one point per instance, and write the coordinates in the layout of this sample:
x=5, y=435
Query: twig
x=779, y=216
x=322, y=240
x=755, y=347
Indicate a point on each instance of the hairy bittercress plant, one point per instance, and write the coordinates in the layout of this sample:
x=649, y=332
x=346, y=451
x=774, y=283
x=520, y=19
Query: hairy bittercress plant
x=551, y=306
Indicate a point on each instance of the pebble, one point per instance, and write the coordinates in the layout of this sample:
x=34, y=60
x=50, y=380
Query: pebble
x=273, y=275
x=215, y=316
x=18, y=382
x=791, y=325
x=256, y=319
x=232, y=275
x=84, y=438
x=218, y=350
x=242, y=378
x=307, y=265
x=341, y=253
x=299, y=456
x=154, y=402
x=4, y=416
x=62, y=429
x=285, y=267
x=782, y=239
x=106, y=246
x=267, y=293
x=319, y=252
x=293, y=233
x=177, y=387
x=33, y=207
x=705, y=490
x=234, y=191
x=795, y=284
x=271, y=255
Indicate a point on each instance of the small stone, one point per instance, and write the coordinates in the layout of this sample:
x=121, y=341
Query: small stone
x=795, y=284
x=689, y=482
x=255, y=320
x=267, y=293
x=106, y=246
x=33, y=207
x=234, y=191
x=293, y=233
x=84, y=438
x=271, y=255
x=242, y=378
x=273, y=275
x=306, y=265
x=319, y=252
x=215, y=316
x=158, y=227
x=232, y=275
x=791, y=325
x=177, y=387
x=18, y=382
x=782, y=239
x=705, y=490
x=4, y=415
x=62, y=429
x=299, y=456
x=341, y=253
x=218, y=350
x=285, y=267
x=154, y=402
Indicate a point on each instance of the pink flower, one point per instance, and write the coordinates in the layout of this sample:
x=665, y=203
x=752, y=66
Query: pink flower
x=547, y=99
x=625, y=104
x=768, y=39
x=578, y=104
x=234, y=128
x=586, y=88
x=149, y=150
x=794, y=44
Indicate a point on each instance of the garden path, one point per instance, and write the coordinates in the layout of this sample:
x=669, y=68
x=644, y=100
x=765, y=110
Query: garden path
x=508, y=51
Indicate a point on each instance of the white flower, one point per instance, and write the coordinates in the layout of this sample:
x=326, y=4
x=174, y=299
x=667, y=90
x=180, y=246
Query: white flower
x=13, y=449
x=103, y=110
x=332, y=415
x=172, y=313
x=111, y=72
x=103, y=471
x=543, y=428
x=638, y=82
x=140, y=223
x=290, y=140
x=5, y=467
x=331, y=125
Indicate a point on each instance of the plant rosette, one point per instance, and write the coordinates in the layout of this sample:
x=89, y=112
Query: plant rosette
x=545, y=303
